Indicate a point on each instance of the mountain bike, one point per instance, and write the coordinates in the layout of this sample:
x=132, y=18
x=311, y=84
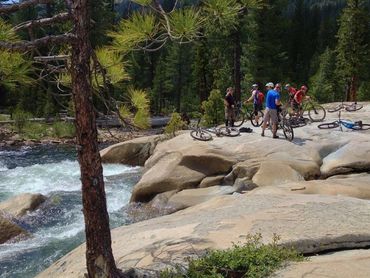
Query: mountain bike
x=358, y=125
x=315, y=111
x=348, y=107
x=284, y=124
x=205, y=134
x=242, y=114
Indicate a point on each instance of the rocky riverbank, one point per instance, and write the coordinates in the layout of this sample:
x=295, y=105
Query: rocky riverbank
x=313, y=193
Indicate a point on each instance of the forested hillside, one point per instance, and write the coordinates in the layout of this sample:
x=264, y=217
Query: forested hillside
x=295, y=41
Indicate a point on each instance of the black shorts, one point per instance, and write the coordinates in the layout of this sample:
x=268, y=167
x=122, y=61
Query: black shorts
x=257, y=107
x=297, y=106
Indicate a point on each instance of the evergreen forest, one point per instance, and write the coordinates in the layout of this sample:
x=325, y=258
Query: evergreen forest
x=322, y=44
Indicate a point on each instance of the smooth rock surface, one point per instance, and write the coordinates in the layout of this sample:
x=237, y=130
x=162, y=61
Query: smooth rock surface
x=9, y=230
x=191, y=197
x=21, y=204
x=311, y=223
x=134, y=152
x=345, y=264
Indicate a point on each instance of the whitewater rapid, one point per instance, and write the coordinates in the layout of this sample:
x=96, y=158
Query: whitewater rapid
x=58, y=227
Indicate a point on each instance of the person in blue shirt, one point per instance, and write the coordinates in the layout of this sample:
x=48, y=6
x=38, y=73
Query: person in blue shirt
x=271, y=114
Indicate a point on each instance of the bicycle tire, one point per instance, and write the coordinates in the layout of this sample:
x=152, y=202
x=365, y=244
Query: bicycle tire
x=335, y=109
x=328, y=125
x=297, y=122
x=287, y=130
x=229, y=131
x=317, y=113
x=361, y=127
x=365, y=127
x=201, y=135
x=239, y=119
x=257, y=123
x=354, y=107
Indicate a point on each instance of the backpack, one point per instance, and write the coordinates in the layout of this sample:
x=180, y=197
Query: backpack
x=260, y=97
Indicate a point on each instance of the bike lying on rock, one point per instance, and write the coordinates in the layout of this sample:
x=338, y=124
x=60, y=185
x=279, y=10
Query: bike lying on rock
x=357, y=125
x=344, y=106
x=205, y=134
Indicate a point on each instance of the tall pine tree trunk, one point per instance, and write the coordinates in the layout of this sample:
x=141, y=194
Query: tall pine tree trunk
x=353, y=89
x=237, y=71
x=99, y=257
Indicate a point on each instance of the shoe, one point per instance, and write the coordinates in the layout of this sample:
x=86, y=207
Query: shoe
x=275, y=136
x=262, y=134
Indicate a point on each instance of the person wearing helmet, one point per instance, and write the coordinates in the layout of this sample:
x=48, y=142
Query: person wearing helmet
x=298, y=99
x=291, y=92
x=257, y=97
x=271, y=115
x=229, y=102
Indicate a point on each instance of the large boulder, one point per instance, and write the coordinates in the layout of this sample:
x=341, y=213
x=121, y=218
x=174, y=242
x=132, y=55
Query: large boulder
x=21, y=204
x=352, y=157
x=311, y=223
x=344, y=264
x=355, y=185
x=133, y=152
x=180, y=169
x=9, y=230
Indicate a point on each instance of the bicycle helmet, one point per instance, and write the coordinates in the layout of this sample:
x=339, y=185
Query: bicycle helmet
x=287, y=86
x=255, y=86
x=270, y=84
x=304, y=88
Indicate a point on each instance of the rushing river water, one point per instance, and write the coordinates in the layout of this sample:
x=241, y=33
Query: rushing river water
x=58, y=226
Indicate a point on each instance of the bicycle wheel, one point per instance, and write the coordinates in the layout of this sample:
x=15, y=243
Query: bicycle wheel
x=239, y=118
x=358, y=126
x=335, y=108
x=365, y=127
x=229, y=131
x=296, y=122
x=317, y=113
x=287, y=130
x=201, y=135
x=328, y=125
x=257, y=120
x=354, y=107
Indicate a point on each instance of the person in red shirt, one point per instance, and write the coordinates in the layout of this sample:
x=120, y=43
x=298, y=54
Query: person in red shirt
x=299, y=96
x=291, y=92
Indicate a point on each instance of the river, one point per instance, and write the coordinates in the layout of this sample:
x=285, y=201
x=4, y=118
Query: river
x=58, y=226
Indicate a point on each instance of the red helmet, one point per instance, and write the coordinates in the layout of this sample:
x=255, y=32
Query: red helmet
x=304, y=88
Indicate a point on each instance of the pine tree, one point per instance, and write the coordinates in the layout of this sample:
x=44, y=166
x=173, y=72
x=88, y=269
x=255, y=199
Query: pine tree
x=323, y=83
x=352, y=48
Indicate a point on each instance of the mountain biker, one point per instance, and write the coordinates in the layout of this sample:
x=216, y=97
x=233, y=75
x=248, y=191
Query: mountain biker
x=299, y=96
x=258, y=98
x=291, y=91
x=229, y=102
x=272, y=103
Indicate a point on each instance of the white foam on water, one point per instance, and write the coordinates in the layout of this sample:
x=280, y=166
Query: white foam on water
x=51, y=177
x=2, y=167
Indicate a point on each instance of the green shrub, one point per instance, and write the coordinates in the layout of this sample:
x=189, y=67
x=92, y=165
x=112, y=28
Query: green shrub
x=214, y=111
x=63, y=130
x=175, y=124
x=36, y=131
x=253, y=259
x=21, y=118
x=4, y=117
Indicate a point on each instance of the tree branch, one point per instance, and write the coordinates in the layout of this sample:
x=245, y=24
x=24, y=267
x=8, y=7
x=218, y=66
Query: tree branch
x=28, y=45
x=22, y=5
x=43, y=21
x=52, y=58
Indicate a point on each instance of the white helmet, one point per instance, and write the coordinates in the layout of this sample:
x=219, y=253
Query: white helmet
x=255, y=86
x=270, y=84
